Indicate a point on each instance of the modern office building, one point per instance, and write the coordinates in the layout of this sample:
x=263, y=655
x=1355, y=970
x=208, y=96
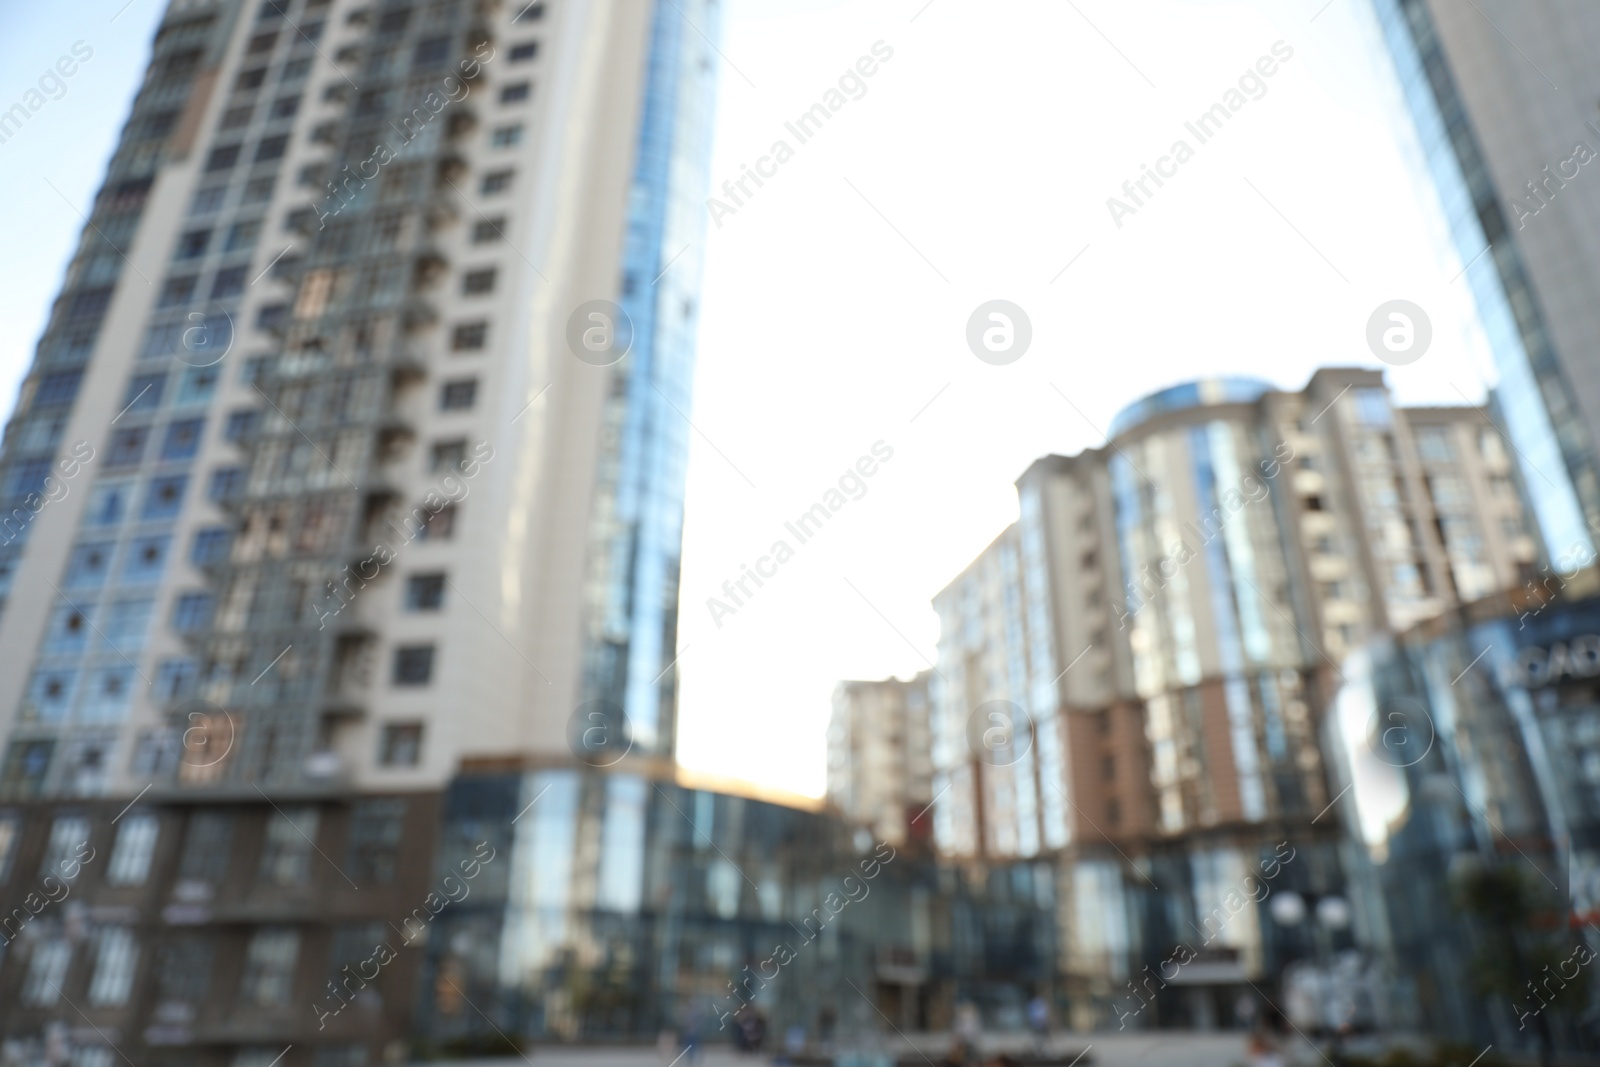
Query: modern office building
x=623, y=903
x=1503, y=102
x=1132, y=676
x=353, y=450
x=1470, y=749
x=880, y=759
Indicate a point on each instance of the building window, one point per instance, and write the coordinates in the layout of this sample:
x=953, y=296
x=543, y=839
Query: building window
x=88, y=566
x=470, y=336
x=51, y=692
x=296, y=69
x=25, y=766
x=1372, y=407
x=177, y=291
x=175, y=679
x=375, y=828
x=1108, y=768
x=227, y=483
x=495, y=182
x=257, y=369
x=27, y=479
x=439, y=526
x=531, y=13
x=68, y=631
x=521, y=53
x=242, y=236
x=425, y=592
x=506, y=136
x=182, y=440
x=198, y=383
x=269, y=967
x=211, y=545
x=183, y=968
x=46, y=971
x=127, y=622
x=353, y=945
x=458, y=395
x=401, y=744
x=240, y=425
x=222, y=158
x=271, y=316
x=1434, y=445
x=144, y=392
x=10, y=835
x=448, y=455
x=107, y=504
x=228, y=282
x=147, y=558
x=516, y=93
x=478, y=281
x=116, y=954
x=250, y=79
x=207, y=847
x=259, y=190
x=64, y=852
x=413, y=665
x=164, y=497
x=272, y=148
x=192, y=612
x=130, y=858
x=127, y=447
x=286, y=852
x=192, y=245
x=207, y=201
x=431, y=52
x=487, y=230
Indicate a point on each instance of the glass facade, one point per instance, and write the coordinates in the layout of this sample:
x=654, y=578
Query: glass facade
x=637, y=526
x=1472, y=755
x=615, y=906
x=1554, y=447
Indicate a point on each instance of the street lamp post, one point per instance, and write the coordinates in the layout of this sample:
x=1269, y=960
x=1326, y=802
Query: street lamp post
x=1332, y=914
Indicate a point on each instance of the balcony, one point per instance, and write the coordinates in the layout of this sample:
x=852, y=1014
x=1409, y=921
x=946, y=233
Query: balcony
x=463, y=123
x=452, y=169
x=428, y=269
x=418, y=315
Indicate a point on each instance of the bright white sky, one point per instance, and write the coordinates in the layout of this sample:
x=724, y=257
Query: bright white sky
x=990, y=142
x=975, y=168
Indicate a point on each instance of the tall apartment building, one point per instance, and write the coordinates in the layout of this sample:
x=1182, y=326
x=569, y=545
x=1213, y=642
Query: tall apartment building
x=352, y=453
x=1503, y=100
x=880, y=769
x=1133, y=674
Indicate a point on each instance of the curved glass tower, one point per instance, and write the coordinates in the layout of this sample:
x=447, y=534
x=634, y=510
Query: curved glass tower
x=1489, y=144
x=638, y=517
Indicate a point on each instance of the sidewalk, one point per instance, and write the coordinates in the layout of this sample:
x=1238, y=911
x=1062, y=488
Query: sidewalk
x=1163, y=1049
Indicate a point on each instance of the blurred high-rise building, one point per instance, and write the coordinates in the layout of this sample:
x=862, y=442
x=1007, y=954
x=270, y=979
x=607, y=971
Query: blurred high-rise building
x=352, y=454
x=880, y=767
x=1133, y=674
x=1503, y=100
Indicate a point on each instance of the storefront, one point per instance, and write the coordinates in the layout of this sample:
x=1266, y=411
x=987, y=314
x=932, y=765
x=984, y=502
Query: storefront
x=1470, y=753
